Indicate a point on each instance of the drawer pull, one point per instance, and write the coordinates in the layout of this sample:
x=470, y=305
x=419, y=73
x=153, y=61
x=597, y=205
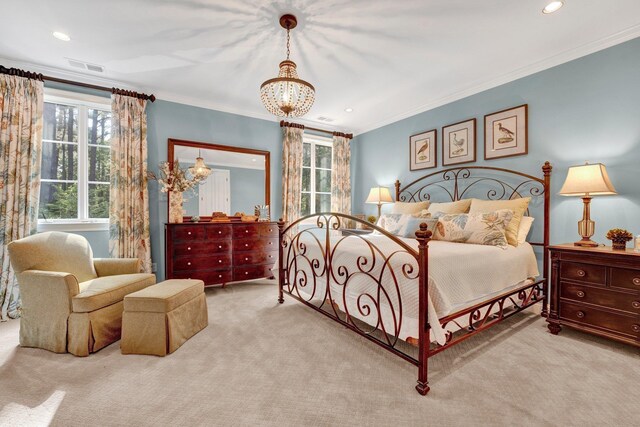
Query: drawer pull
x=636, y=328
x=246, y=259
x=580, y=314
x=246, y=231
x=246, y=244
x=270, y=243
x=189, y=233
x=219, y=276
x=220, y=247
x=270, y=229
x=636, y=281
x=219, y=261
x=219, y=232
x=581, y=273
x=580, y=294
x=270, y=256
x=189, y=248
x=246, y=272
x=636, y=304
x=189, y=263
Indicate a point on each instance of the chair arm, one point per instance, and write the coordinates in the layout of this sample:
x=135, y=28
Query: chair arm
x=115, y=266
x=47, y=290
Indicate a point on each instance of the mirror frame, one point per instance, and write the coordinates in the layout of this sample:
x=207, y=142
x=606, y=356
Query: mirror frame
x=172, y=142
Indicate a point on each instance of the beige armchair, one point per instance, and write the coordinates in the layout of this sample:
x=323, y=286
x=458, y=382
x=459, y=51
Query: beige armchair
x=71, y=302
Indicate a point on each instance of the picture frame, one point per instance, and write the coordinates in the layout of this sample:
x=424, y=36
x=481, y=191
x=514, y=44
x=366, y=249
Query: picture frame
x=423, y=151
x=459, y=143
x=262, y=212
x=506, y=133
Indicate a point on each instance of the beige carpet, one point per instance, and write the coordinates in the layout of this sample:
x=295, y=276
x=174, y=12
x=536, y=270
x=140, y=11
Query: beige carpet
x=260, y=363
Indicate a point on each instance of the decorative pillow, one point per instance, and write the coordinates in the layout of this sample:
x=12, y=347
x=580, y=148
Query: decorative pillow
x=461, y=206
x=412, y=225
x=409, y=208
x=525, y=227
x=391, y=223
x=479, y=228
x=518, y=206
x=422, y=214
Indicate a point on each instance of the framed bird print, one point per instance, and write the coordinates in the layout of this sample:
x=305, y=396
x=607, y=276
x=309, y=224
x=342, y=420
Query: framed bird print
x=459, y=143
x=422, y=150
x=505, y=133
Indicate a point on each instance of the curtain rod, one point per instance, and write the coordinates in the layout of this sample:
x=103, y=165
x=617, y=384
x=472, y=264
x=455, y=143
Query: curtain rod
x=41, y=77
x=299, y=126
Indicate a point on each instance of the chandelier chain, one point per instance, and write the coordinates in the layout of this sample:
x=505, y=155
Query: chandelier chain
x=288, y=43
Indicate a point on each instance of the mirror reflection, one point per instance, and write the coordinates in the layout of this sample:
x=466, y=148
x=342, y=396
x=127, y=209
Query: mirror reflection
x=236, y=183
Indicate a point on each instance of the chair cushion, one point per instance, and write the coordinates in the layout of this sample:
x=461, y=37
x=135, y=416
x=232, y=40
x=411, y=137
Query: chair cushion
x=164, y=297
x=54, y=251
x=104, y=291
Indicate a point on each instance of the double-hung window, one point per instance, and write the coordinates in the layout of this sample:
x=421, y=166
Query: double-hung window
x=316, y=174
x=74, y=191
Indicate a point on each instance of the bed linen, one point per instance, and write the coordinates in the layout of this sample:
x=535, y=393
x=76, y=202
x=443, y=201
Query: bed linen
x=460, y=275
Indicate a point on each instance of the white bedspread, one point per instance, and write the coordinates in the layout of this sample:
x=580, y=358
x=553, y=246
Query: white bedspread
x=460, y=275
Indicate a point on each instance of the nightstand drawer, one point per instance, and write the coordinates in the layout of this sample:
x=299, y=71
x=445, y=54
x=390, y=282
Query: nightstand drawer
x=602, y=297
x=625, y=278
x=619, y=323
x=590, y=273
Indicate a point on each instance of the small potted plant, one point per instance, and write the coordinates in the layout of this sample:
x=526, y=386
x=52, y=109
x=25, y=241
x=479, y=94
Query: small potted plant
x=371, y=219
x=619, y=238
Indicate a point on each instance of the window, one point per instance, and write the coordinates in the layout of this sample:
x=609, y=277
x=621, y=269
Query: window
x=75, y=161
x=316, y=175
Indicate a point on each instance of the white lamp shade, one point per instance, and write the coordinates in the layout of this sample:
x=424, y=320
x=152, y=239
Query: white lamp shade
x=379, y=195
x=587, y=180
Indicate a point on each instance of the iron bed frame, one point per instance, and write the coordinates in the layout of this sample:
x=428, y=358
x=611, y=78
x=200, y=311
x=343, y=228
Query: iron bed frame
x=455, y=183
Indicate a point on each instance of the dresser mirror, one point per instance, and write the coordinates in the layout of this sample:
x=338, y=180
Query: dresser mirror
x=239, y=178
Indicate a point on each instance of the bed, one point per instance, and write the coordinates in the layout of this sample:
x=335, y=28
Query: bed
x=416, y=296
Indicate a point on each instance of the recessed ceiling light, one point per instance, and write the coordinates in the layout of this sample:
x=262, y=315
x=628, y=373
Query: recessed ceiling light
x=253, y=160
x=61, y=36
x=552, y=7
x=349, y=110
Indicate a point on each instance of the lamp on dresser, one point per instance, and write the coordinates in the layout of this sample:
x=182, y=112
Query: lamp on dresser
x=586, y=181
x=379, y=196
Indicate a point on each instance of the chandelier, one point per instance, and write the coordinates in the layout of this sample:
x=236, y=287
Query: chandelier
x=287, y=95
x=200, y=170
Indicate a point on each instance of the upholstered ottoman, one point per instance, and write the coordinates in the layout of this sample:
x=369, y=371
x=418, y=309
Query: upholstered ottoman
x=159, y=319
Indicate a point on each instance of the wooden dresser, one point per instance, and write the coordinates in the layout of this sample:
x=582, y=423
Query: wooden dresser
x=595, y=290
x=218, y=253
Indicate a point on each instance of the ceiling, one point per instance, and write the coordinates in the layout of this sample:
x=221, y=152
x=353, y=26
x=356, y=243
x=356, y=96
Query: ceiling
x=187, y=155
x=385, y=59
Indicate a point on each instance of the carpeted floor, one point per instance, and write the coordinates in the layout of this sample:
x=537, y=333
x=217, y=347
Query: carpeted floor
x=261, y=363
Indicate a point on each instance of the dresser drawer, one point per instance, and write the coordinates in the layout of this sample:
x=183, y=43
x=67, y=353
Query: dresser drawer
x=619, y=323
x=194, y=263
x=201, y=247
x=602, y=297
x=254, y=257
x=269, y=230
x=590, y=273
x=219, y=231
x=244, y=231
x=249, y=272
x=625, y=278
x=188, y=232
x=266, y=245
x=210, y=277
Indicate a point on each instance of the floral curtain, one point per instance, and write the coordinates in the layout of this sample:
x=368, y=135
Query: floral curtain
x=128, y=196
x=341, y=176
x=21, y=106
x=291, y=173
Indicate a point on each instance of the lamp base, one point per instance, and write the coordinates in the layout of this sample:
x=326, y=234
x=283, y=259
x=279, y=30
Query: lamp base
x=587, y=243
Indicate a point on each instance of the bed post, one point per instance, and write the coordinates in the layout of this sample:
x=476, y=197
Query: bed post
x=397, y=190
x=281, y=272
x=546, y=170
x=424, y=236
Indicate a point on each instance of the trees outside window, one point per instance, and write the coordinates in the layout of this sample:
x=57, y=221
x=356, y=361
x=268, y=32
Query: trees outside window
x=316, y=175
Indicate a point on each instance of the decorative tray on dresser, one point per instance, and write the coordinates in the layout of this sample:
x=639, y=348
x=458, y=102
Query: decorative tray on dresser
x=219, y=253
x=595, y=290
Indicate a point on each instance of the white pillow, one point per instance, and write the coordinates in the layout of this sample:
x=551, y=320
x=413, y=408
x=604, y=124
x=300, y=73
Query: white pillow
x=524, y=228
x=391, y=223
x=409, y=208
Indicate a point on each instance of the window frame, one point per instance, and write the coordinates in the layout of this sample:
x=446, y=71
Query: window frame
x=83, y=102
x=315, y=140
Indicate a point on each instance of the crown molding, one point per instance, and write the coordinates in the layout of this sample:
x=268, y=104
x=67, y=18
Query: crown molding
x=550, y=62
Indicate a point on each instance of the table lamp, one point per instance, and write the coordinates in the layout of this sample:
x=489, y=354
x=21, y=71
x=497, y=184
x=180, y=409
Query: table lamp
x=586, y=181
x=379, y=195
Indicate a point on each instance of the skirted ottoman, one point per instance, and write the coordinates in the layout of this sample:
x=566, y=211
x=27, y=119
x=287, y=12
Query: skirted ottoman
x=159, y=319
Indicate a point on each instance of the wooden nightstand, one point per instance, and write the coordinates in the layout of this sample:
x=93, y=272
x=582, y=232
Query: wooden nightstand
x=355, y=231
x=595, y=290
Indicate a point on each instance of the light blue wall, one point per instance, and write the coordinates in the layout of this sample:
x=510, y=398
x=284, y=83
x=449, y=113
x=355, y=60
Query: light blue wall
x=586, y=109
x=171, y=120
